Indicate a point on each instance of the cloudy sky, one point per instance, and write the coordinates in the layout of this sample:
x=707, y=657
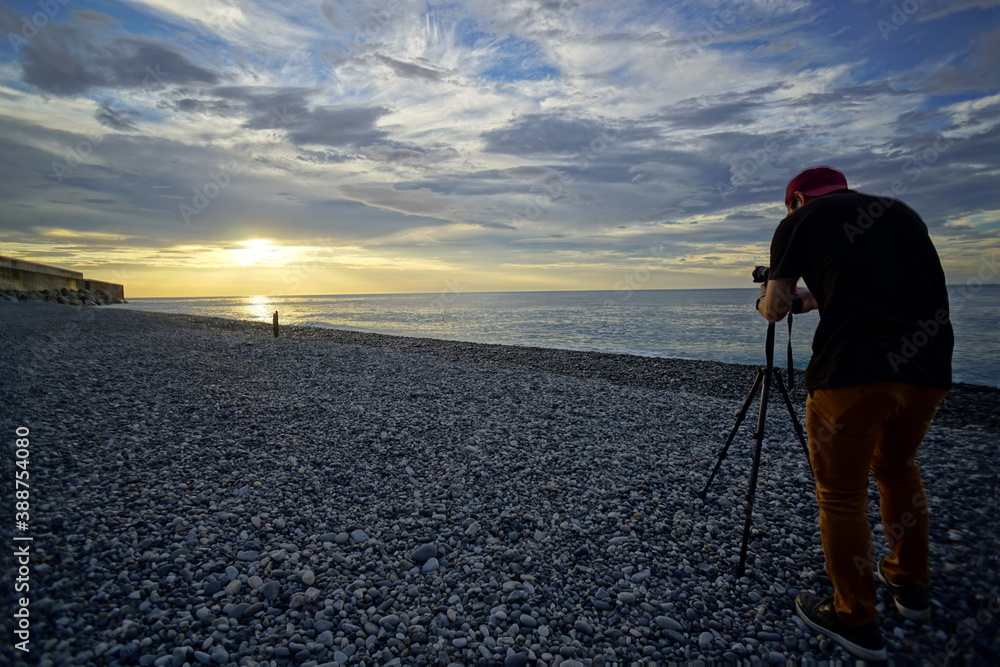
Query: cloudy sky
x=227, y=147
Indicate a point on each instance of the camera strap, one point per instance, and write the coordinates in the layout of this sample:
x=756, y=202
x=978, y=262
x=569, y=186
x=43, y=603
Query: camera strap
x=791, y=365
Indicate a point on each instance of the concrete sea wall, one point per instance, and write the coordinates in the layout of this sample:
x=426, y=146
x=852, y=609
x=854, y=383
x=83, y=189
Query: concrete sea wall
x=23, y=280
x=113, y=290
x=17, y=274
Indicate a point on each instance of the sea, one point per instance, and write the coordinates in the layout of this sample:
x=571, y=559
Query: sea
x=709, y=324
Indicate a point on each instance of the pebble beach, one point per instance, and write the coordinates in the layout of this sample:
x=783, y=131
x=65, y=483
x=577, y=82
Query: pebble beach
x=204, y=493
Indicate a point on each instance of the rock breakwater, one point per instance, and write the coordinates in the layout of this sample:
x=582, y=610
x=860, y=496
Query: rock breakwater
x=63, y=295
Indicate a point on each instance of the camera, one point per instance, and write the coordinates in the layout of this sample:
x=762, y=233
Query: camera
x=760, y=273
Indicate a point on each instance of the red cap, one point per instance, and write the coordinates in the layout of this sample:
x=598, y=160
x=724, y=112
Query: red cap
x=815, y=182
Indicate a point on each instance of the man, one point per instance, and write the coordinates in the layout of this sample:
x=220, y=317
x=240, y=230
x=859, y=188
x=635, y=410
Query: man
x=881, y=363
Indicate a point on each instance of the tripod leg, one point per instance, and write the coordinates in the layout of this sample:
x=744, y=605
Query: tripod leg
x=751, y=493
x=795, y=420
x=732, y=434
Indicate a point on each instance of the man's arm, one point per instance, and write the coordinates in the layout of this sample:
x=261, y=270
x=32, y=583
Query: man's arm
x=776, y=299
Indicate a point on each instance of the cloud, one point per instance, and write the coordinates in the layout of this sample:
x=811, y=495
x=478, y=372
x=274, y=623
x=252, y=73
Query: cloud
x=846, y=96
x=701, y=113
x=410, y=156
x=292, y=111
x=261, y=27
x=956, y=6
x=116, y=119
x=541, y=133
x=421, y=202
x=267, y=107
x=345, y=126
x=409, y=70
x=73, y=59
x=555, y=135
x=978, y=69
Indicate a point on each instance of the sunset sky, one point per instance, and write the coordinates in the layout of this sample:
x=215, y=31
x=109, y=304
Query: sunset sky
x=226, y=147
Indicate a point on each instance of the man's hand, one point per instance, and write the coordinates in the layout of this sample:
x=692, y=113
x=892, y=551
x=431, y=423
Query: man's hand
x=776, y=299
x=808, y=300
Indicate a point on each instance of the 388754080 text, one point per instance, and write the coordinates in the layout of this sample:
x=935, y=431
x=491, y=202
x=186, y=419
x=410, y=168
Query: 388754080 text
x=22, y=540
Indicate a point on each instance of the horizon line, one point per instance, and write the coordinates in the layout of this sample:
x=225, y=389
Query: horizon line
x=451, y=292
x=460, y=292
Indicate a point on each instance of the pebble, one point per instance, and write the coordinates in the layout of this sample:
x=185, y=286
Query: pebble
x=551, y=518
x=667, y=623
x=424, y=554
x=517, y=660
x=270, y=590
x=675, y=636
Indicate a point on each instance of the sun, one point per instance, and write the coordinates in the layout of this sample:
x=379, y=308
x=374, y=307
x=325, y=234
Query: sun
x=253, y=252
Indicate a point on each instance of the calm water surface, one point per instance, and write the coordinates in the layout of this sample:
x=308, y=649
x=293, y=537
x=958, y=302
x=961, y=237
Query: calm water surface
x=710, y=324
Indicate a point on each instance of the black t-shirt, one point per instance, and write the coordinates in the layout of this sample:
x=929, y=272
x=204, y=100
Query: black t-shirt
x=877, y=279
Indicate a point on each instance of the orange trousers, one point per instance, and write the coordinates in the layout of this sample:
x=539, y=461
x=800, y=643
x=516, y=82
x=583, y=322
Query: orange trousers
x=876, y=428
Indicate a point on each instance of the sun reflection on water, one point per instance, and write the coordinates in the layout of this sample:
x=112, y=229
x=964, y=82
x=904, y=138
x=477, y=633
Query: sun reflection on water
x=257, y=308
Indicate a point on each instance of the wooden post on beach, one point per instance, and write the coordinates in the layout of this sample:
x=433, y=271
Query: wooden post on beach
x=275, y=324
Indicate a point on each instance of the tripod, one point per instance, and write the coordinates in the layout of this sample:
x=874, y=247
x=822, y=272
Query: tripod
x=763, y=381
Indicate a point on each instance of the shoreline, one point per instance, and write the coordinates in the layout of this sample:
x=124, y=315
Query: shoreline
x=657, y=373
x=748, y=352
x=202, y=491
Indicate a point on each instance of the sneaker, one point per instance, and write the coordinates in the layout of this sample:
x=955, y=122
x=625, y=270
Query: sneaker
x=913, y=602
x=861, y=641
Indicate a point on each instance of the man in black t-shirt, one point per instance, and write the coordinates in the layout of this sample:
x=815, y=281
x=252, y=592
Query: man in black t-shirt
x=880, y=366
